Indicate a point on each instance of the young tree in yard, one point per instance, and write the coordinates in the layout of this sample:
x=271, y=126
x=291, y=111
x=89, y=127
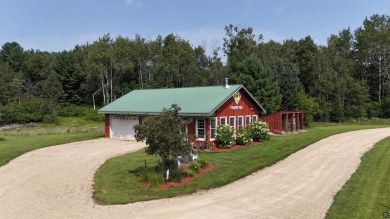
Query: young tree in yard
x=163, y=134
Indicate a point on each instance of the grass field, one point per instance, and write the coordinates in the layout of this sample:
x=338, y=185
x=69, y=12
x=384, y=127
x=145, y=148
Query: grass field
x=118, y=182
x=66, y=125
x=367, y=193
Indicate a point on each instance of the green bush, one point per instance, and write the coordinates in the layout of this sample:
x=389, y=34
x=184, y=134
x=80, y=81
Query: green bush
x=203, y=163
x=224, y=136
x=176, y=175
x=2, y=139
x=92, y=115
x=51, y=119
x=195, y=166
x=259, y=131
x=189, y=173
x=24, y=112
x=88, y=113
x=152, y=178
x=72, y=111
x=244, y=137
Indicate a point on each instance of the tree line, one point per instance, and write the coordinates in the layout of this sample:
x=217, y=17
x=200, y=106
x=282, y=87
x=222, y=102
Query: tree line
x=345, y=79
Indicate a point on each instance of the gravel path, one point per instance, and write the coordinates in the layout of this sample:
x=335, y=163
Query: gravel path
x=56, y=182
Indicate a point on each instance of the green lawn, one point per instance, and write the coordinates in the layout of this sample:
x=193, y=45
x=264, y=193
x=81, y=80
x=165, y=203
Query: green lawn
x=13, y=146
x=367, y=193
x=118, y=182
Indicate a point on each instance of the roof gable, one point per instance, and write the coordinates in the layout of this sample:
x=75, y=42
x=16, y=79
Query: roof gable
x=193, y=101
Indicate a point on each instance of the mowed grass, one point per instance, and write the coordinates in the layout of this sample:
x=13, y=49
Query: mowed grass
x=14, y=146
x=117, y=181
x=367, y=193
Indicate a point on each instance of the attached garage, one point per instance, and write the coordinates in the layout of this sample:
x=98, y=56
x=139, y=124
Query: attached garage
x=122, y=126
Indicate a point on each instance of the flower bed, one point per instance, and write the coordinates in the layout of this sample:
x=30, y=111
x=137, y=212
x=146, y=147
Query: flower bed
x=234, y=147
x=184, y=181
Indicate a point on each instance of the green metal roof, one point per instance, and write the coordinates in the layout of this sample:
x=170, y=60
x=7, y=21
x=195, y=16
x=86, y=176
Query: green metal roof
x=193, y=101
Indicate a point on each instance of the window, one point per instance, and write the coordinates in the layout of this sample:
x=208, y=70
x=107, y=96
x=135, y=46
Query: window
x=247, y=120
x=254, y=118
x=200, y=128
x=213, y=127
x=232, y=122
x=184, y=129
x=240, y=122
x=222, y=121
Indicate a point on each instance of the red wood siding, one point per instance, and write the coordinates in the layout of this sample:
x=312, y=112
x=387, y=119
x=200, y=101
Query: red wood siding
x=286, y=121
x=107, y=126
x=248, y=108
x=245, y=107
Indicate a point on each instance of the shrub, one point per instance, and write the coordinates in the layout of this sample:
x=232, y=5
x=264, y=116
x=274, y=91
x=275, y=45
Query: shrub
x=189, y=173
x=2, y=139
x=224, y=136
x=50, y=119
x=195, y=166
x=176, y=175
x=243, y=137
x=92, y=115
x=24, y=112
x=72, y=111
x=259, y=131
x=203, y=163
x=152, y=178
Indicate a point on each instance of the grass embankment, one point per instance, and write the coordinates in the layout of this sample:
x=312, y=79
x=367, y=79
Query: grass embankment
x=118, y=182
x=65, y=125
x=13, y=146
x=366, y=194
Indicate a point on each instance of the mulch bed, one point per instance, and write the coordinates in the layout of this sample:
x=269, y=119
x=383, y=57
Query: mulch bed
x=234, y=147
x=184, y=181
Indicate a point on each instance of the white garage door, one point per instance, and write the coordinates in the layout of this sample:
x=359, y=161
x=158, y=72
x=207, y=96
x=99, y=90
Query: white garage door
x=121, y=127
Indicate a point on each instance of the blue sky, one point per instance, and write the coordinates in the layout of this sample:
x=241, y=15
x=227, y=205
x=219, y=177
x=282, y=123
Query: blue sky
x=56, y=25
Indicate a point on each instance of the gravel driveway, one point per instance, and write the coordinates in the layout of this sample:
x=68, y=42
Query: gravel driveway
x=56, y=182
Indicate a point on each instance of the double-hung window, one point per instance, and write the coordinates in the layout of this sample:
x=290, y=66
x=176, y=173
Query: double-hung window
x=247, y=120
x=213, y=127
x=222, y=121
x=232, y=122
x=254, y=118
x=240, y=122
x=200, y=129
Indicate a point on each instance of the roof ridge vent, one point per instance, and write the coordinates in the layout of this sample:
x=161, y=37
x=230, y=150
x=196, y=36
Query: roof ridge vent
x=227, y=83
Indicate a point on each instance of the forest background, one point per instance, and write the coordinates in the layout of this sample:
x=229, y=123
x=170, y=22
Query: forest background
x=346, y=79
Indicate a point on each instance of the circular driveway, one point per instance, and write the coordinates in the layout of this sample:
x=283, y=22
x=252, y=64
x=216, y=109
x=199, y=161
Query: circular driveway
x=56, y=182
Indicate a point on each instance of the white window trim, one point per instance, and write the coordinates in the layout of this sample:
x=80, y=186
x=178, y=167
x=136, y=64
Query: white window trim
x=216, y=124
x=234, y=125
x=223, y=117
x=255, y=116
x=249, y=122
x=238, y=122
x=196, y=130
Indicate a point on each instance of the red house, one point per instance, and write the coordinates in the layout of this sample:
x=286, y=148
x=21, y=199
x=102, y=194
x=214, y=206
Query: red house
x=207, y=106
